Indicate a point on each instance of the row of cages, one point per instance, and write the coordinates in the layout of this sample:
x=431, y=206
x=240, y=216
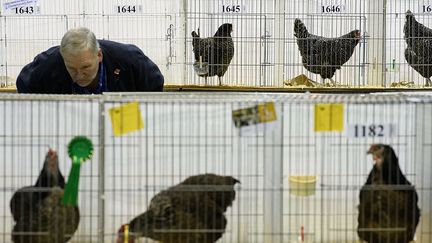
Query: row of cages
x=266, y=46
x=300, y=159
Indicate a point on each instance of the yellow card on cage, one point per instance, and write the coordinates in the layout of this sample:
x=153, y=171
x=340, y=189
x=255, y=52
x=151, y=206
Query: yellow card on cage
x=126, y=118
x=266, y=112
x=329, y=117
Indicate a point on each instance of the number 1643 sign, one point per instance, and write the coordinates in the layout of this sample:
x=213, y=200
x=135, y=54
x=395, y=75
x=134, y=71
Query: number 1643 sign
x=21, y=7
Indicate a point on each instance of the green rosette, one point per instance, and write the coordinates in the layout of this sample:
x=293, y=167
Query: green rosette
x=80, y=149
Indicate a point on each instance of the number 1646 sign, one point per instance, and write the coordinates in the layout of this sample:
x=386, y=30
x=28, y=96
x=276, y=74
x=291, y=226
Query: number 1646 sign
x=371, y=130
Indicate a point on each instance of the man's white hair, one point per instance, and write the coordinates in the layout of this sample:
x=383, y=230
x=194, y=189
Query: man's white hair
x=77, y=40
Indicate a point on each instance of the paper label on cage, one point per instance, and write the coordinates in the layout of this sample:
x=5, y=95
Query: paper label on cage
x=329, y=117
x=266, y=112
x=250, y=120
x=371, y=130
x=331, y=7
x=21, y=8
x=253, y=115
x=128, y=9
x=126, y=118
x=19, y=3
x=232, y=8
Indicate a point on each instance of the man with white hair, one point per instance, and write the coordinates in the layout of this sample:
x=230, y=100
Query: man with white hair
x=84, y=65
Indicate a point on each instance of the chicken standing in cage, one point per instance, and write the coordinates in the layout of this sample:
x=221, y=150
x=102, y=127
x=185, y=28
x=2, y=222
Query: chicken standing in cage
x=418, y=52
x=322, y=55
x=388, y=210
x=192, y=211
x=37, y=210
x=213, y=54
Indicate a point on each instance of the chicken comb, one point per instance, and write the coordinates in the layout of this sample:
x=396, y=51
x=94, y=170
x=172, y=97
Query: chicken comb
x=80, y=149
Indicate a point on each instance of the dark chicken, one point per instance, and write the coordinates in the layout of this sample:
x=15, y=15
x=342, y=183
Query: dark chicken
x=388, y=210
x=322, y=55
x=213, y=54
x=419, y=47
x=37, y=210
x=190, y=212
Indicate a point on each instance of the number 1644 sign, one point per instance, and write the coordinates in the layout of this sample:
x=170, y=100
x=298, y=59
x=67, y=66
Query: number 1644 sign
x=371, y=130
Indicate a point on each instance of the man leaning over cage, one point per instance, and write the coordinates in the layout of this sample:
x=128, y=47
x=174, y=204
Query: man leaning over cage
x=84, y=65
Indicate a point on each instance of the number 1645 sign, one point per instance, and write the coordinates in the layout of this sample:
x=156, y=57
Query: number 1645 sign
x=371, y=130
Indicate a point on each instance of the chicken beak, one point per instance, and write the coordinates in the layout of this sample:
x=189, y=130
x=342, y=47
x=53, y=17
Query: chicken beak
x=376, y=157
x=371, y=151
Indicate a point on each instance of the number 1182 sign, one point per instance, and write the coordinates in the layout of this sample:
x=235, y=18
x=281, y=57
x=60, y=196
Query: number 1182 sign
x=371, y=130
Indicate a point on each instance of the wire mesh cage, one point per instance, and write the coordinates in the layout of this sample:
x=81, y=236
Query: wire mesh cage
x=266, y=49
x=146, y=146
x=405, y=56
x=327, y=19
x=372, y=57
x=31, y=128
x=32, y=27
x=253, y=21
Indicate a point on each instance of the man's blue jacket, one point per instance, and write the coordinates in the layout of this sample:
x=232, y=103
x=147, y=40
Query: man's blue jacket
x=127, y=70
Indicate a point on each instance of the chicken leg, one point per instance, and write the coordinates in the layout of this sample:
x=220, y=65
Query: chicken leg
x=220, y=81
x=332, y=82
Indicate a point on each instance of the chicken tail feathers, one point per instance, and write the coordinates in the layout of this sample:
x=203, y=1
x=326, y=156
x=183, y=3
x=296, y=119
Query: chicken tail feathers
x=300, y=29
x=409, y=15
x=410, y=25
x=195, y=39
x=195, y=34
